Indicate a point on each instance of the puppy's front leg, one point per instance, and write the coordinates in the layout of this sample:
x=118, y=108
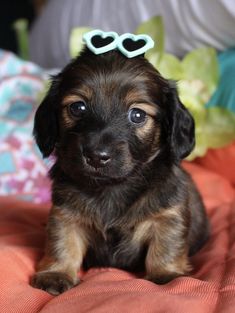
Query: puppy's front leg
x=167, y=253
x=65, y=248
x=159, y=270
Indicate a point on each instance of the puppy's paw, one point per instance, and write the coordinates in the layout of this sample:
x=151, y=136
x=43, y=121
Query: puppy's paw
x=52, y=282
x=164, y=276
x=162, y=279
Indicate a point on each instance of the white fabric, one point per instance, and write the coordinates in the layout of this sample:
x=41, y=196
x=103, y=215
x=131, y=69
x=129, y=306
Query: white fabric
x=188, y=23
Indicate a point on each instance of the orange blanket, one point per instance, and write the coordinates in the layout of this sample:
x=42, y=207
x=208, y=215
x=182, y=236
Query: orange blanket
x=210, y=288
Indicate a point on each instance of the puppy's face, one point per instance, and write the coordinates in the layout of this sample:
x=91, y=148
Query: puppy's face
x=108, y=116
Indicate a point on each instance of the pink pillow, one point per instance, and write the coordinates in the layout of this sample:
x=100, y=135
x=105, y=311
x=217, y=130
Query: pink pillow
x=221, y=161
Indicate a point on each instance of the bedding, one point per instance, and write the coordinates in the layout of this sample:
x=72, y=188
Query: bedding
x=210, y=288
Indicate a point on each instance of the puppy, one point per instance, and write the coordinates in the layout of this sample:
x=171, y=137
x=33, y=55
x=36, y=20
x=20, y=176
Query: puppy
x=120, y=198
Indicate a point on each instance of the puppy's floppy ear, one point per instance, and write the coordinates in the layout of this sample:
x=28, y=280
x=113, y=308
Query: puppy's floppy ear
x=45, y=123
x=182, y=136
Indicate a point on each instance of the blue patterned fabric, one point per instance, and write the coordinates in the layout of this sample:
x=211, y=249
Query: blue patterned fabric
x=22, y=171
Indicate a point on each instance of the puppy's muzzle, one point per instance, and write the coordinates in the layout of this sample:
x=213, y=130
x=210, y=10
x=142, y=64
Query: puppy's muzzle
x=96, y=157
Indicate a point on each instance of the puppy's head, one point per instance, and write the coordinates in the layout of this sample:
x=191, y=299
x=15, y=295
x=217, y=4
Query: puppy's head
x=106, y=116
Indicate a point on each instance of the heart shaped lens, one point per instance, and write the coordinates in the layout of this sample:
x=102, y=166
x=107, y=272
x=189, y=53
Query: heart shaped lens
x=132, y=45
x=99, y=42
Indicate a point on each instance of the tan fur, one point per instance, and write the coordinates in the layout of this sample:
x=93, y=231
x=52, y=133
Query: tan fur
x=159, y=232
x=83, y=93
x=149, y=128
x=65, y=254
x=146, y=130
x=135, y=96
x=67, y=120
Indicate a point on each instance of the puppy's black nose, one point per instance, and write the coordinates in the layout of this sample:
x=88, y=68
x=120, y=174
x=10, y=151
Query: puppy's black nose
x=96, y=158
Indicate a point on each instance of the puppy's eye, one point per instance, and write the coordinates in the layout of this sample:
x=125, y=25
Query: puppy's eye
x=137, y=116
x=78, y=109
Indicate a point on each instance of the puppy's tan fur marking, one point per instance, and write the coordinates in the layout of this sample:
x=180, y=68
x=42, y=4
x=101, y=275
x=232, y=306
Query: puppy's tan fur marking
x=160, y=232
x=66, y=245
x=69, y=99
x=66, y=118
x=146, y=130
x=84, y=93
x=149, y=128
x=135, y=96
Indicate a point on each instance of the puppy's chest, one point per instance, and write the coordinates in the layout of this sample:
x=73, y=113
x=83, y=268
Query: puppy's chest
x=107, y=210
x=110, y=221
x=114, y=250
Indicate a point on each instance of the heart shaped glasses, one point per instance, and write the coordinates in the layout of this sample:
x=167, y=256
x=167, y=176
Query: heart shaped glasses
x=128, y=44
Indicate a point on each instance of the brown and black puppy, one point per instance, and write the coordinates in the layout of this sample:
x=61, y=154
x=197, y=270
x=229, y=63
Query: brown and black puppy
x=120, y=198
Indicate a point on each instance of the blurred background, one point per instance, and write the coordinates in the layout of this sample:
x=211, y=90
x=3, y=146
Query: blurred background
x=194, y=45
x=189, y=24
x=10, y=12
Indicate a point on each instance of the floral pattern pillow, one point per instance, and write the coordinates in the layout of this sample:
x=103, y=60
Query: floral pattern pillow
x=23, y=173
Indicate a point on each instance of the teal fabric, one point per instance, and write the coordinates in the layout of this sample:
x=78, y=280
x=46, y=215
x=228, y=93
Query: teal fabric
x=224, y=95
x=22, y=172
